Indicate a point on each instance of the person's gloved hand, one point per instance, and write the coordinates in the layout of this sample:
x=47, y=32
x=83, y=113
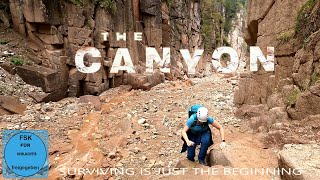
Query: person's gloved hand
x=190, y=143
x=223, y=145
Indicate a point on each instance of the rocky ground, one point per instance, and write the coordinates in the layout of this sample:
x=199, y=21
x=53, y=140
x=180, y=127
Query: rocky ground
x=126, y=130
x=137, y=129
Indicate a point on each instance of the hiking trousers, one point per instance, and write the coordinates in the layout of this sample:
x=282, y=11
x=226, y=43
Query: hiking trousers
x=202, y=139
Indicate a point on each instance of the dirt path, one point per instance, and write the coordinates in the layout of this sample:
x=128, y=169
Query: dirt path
x=86, y=158
x=85, y=152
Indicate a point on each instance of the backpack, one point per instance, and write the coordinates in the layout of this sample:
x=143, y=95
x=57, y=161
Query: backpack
x=193, y=110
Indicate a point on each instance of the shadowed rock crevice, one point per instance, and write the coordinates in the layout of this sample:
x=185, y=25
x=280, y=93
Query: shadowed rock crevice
x=252, y=33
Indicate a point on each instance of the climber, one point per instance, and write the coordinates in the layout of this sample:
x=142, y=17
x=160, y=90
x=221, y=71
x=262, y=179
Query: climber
x=197, y=132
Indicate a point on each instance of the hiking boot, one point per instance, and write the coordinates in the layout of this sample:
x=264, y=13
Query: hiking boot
x=202, y=162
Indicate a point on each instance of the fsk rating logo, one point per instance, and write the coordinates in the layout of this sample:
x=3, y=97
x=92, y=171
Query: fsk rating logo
x=25, y=154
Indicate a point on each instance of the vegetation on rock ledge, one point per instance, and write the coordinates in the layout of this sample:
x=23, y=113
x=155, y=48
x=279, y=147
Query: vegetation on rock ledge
x=293, y=96
x=110, y=5
x=308, y=20
x=285, y=36
x=315, y=77
x=211, y=23
x=16, y=60
x=3, y=42
x=232, y=7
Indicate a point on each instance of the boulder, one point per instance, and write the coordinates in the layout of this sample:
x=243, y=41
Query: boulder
x=248, y=111
x=54, y=96
x=273, y=116
x=217, y=157
x=137, y=80
x=259, y=123
x=94, y=100
x=306, y=104
x=277, y=114
x=315, y=89
x=313, y=121
x=12, y=104
x=9, y=68
x=60, y=148
x=301, y=160
x=116, y=142
x=47, y=34
x=146, y=86
x=145, y=82
x=45, y=78
x=275, y=100
x=304, y=55
x=4, y=112
x=157, y=77
x=285, y=49
x=34, y=39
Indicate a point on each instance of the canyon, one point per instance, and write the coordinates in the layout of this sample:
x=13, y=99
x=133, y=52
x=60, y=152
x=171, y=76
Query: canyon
x=134, y=120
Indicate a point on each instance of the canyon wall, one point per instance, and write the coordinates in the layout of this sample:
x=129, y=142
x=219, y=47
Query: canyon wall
x=58, y=28
x=292, y=90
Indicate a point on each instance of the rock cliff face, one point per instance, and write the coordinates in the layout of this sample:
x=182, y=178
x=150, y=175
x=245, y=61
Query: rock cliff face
x=292, y=27
x=236, y=37
x=58, y=28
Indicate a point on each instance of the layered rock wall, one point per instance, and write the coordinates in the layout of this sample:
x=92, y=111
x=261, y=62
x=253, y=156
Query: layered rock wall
x=294, y=84
x=59, y=28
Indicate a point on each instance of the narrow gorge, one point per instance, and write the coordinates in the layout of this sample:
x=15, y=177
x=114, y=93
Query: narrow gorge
x=133, y=121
